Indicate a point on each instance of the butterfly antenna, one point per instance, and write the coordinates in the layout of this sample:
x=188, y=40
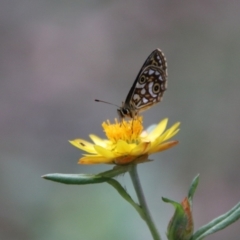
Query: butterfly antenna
x=97, y=100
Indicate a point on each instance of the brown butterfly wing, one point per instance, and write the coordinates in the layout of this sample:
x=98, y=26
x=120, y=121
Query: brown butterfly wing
x=158, y=61
x=149, y=88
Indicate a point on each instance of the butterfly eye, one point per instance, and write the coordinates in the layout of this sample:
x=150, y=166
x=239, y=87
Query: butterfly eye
x=156, y=88
x=142, y=80
x=125, y=111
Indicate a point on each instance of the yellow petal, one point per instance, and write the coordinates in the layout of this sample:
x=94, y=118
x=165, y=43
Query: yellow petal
x=141, y=149
x=123, y=147
x=104, y=152
x=94, y=160
x=90, y=155
x=163, y=146
x=158, y=141
x=83, y=145
x=169, y=132
x=158, y=130
x=98, y=141
x=166, y=135
x=172, y=134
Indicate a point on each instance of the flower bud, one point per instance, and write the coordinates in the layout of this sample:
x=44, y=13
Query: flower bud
x=180, y=226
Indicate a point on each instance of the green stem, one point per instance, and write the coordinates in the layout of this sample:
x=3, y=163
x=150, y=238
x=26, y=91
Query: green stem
x=138, y=188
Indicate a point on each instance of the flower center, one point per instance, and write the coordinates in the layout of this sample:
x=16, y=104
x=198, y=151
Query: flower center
x=128, y=131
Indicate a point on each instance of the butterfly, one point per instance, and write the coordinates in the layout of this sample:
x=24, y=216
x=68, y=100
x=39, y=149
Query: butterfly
x=148, y=87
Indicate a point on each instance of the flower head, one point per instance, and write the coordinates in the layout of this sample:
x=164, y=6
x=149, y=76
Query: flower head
x=126, y=143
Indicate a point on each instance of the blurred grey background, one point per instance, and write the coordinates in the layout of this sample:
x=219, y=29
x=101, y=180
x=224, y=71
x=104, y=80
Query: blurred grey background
x=56, y=57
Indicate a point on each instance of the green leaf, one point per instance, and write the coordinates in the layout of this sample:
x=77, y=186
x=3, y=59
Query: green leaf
x=218, y=223
x=81, y=179
x=192, y=188
x=175, y=204
x=75, y=179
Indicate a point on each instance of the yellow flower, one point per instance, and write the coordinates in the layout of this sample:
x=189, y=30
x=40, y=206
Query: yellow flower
x=126, y=143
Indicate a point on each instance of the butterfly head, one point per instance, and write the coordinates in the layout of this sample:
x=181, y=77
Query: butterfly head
x=126, y=111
